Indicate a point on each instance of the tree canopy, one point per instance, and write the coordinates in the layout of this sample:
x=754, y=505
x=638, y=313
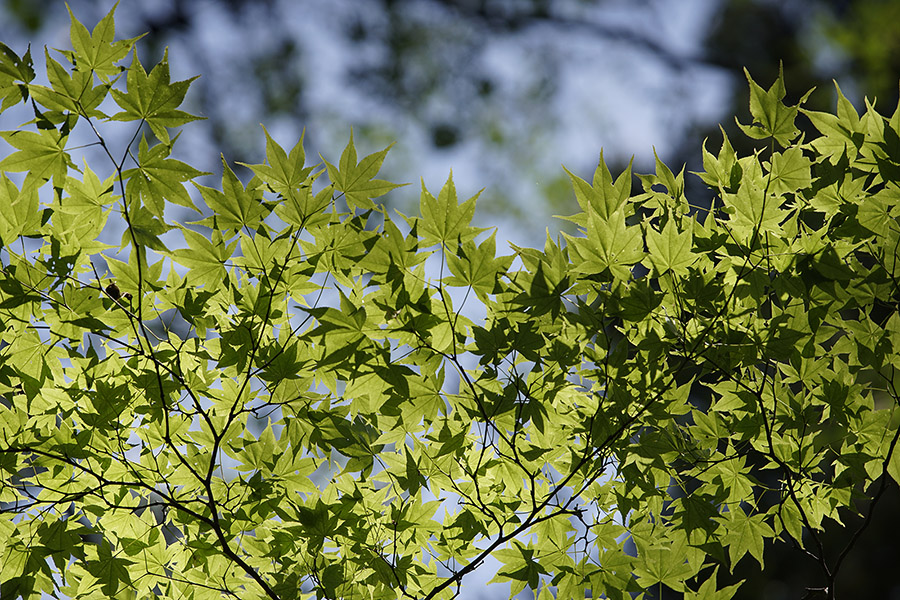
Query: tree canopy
x=301, y=394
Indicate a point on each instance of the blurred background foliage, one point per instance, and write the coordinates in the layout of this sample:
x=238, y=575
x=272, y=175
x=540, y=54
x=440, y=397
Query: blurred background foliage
x=504, y=91
x=501, y=90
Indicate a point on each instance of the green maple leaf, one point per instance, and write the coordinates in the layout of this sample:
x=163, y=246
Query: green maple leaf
x=73, y=92
x=754, y=208
x=603, y=195
x=664, y=563
x=19, y=210
x=153, y=99
x=126, y=274
x=771, y=117
x=610, y=246
x=283, y=172
x=841, y=132
x=357, y=180
x=41, y=154
x=790, y=171
x=477, y=267
x=205, y=258
x=723, y=170
x=14, y=70
x=157, y=178
x=111, y=570
x=444, y=219
x=98, y=50
x=521, y=567
x=709, y=590
x=146, y=228
x=745, y=533
x=235, y=206
x=670, y=250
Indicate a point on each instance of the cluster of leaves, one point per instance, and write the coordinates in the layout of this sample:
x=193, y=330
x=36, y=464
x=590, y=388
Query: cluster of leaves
x=309, y=397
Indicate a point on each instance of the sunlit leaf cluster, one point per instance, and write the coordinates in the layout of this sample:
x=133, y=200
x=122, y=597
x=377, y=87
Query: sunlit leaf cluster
x=296, y=393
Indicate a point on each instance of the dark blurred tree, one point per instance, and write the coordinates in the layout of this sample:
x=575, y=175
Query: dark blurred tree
x=869, y=34
x=854, y=42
